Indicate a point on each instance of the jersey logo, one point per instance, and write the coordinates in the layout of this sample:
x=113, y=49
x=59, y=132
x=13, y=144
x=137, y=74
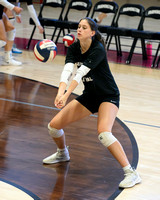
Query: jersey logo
x=87, y=79
x=113, y=101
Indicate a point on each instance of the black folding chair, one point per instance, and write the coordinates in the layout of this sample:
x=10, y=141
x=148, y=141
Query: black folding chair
x=106, y=7
x=151, y=16
x=124, y=23
x=75, y=11
x=47, y=17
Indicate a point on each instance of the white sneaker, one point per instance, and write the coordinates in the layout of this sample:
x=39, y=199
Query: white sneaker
x=59, y=156
x=16, y=50
x=11, y=62
x=131, y=178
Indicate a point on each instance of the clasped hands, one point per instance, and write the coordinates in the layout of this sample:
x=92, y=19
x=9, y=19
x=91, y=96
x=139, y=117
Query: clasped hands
x=60, y=101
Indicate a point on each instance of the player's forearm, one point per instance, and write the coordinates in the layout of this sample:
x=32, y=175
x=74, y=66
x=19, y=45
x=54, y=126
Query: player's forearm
x=62, y=88
x=33, y=14
x=71, y=88
x=6, y=4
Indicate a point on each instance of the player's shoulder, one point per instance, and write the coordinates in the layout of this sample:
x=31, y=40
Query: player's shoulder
x=75, y=46
x=97, y=44
x=98, y=47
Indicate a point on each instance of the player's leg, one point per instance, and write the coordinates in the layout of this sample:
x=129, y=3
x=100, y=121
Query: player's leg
x=3, y=38
x=106, y=117
x=72, y=112
x=12, y=20
x=8, y=59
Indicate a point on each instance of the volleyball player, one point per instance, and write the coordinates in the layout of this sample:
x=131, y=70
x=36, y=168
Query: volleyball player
x=100, y=94
x=6, y=32
x=32, y=14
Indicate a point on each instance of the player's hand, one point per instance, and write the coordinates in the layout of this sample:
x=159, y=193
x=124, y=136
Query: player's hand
x=18, y=19
x=41, y=30
x=56, y=101
x=17, y=10
x=62, y=102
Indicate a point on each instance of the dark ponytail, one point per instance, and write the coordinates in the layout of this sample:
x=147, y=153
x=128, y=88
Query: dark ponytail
x=94, y=27
x=99, y=37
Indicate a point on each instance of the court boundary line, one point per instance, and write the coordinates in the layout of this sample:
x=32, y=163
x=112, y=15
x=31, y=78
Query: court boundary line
x=31, y=194
x=143, y=124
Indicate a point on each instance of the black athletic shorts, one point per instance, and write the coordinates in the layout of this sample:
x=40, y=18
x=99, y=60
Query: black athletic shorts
x=1, y=11
x=92, y=102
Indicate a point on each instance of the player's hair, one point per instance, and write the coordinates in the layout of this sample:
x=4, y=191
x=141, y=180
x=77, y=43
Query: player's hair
x=94, y=27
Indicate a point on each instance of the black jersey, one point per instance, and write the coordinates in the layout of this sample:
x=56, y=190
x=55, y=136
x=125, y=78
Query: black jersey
x=99, y=79
x=29, y=2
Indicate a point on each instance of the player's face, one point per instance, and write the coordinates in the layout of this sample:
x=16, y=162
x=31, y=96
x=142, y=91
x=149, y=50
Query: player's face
x=84, y=31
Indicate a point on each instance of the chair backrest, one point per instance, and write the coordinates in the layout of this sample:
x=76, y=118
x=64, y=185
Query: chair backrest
x=108, y=7
x=80, y=8
x=127, y=12
x=150, y=17
x=47, y=8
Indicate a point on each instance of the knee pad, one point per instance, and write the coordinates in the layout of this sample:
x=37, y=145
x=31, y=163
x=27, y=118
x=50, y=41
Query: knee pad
x=106, y=138
x=2, y=43
x=55, y=133
x=11, y=35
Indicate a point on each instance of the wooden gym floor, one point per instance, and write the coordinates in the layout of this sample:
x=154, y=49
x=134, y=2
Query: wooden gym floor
x=26, y=106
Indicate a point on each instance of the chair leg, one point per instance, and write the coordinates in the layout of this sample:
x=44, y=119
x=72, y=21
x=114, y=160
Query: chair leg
x=118, y=44
x=64, y=32
x=144, y=53
x=155, y=57
x=30, y=39
x=44, y=34
x=56, y=41
x=54, y=33
x=158, y=61
x=107, y=38
x=117, y=41
x=128, y=61
x=110, y=39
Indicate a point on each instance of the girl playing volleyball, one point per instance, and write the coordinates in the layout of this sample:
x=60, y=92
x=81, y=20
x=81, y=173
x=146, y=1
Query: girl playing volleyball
x=100, y=94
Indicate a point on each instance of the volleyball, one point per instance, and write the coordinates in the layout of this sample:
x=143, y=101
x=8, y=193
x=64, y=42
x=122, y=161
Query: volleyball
x=45, y=50
x=68, y=39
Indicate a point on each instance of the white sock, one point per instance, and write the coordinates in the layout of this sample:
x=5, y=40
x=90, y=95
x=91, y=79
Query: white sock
x=127, y=169
x=8, y=55
x=63, y=149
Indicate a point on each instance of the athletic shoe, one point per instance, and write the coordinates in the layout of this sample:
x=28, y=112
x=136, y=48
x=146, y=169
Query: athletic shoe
x=15, y=50
x=59, y=156
x=131, y=178
x=11, y=62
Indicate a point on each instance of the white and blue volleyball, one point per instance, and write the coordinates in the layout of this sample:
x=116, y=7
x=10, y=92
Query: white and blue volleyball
x=45, y=50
